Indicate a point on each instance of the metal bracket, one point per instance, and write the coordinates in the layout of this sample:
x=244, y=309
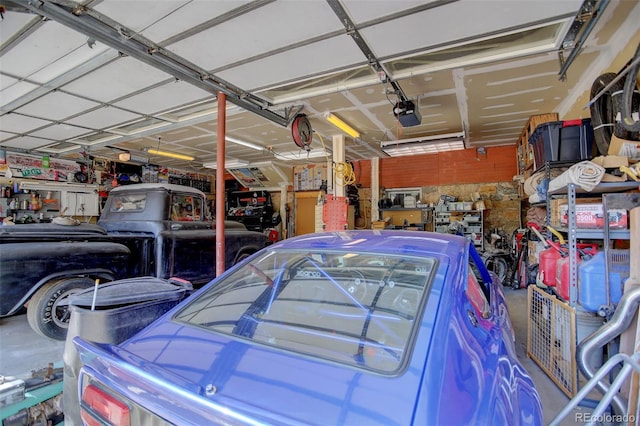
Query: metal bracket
x=588, y=9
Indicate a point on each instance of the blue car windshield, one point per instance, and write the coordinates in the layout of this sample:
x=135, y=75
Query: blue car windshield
x=354, y=308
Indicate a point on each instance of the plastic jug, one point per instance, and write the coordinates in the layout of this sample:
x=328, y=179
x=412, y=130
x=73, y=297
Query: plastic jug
x=591, y=281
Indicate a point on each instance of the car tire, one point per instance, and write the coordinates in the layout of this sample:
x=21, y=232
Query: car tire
x=45, y=314
x=242, y=256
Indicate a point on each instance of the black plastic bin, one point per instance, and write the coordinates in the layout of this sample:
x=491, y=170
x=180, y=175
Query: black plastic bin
x=121, y=309
x=571, y=140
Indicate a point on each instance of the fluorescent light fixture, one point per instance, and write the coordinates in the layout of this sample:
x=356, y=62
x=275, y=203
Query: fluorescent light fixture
x=175, y=155
x=244, y=143
x=59, y=147
x=300, y=155
x=424, y=145
x=124, y=156
x=58, y=186
x=107, y=138
x=199, y=114
x=342, y=125
x=153, y=126
x=228, y=164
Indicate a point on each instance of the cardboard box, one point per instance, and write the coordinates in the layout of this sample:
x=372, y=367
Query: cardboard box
x=592, y=216
x=611, y=161
x=378, y=224
x=535, y=248
x=409, y=202
x=625, y=148
x=556, y=204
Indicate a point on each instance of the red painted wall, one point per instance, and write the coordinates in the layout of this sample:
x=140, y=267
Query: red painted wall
x=446, y=168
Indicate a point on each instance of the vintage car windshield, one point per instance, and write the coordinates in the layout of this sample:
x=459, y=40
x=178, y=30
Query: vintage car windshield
x=128, y=202
x=350, y=307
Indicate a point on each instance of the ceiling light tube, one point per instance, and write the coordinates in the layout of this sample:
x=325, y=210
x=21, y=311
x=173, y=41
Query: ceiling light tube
x=300, y=155
x=432, y=138
x=424, y=145
x=107, y=138
x=229, y=164
x=155, y=151
x=244, y=143
x=199, y=114
x=342, y=125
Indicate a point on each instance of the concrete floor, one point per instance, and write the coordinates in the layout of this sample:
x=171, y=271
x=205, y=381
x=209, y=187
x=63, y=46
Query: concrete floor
x=22, y=350
x=553, y=399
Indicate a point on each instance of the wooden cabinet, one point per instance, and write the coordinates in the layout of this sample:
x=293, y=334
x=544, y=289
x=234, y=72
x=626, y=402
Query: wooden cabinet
x=305, y=212
x=79, y=203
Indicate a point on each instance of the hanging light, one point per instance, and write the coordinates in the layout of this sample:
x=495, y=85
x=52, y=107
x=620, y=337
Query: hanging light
x=228, y=164
x=424, y=145
x=244, y=143
x=169, y=154
x=342, y=125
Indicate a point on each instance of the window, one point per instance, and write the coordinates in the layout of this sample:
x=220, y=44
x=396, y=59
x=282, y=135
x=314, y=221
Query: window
x=186, y=208
x=355, y=308
x=128, y=203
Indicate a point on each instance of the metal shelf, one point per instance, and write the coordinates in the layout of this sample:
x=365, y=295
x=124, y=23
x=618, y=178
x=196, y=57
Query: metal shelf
x=602, y=188
x=443, y=218
x=610, y=200
x=597, y=234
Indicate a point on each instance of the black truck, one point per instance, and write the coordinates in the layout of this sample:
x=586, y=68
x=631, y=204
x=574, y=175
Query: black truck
x=159, y=230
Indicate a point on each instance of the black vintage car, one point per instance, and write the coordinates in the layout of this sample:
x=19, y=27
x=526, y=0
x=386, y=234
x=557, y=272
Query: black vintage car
x=159, y=230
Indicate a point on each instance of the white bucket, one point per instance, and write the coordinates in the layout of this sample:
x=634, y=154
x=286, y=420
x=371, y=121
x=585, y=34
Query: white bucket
x=587, y=323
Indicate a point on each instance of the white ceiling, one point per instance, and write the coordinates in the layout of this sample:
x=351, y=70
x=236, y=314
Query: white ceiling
x=478, y=66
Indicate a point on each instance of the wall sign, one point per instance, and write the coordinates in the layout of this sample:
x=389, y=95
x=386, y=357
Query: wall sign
x=38, y=167
x=202, y=185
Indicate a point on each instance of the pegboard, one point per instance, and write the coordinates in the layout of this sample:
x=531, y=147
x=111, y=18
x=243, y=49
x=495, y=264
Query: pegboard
x=335, y=213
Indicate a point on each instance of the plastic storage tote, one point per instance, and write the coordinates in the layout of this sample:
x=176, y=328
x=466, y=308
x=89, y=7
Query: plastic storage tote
x=569, y=140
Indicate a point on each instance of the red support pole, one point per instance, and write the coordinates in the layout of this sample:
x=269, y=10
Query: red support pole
x=220, y=192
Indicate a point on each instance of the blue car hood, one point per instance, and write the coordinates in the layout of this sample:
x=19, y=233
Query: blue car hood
x=252, y=378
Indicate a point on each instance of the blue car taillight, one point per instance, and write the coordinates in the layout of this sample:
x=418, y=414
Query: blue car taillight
x=98, y=408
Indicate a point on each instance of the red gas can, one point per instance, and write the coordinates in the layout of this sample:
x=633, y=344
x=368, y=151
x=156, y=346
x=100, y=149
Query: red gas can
x=563, y=280
x=548, y=263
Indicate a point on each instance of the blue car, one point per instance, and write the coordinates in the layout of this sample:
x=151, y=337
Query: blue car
x=344, y=328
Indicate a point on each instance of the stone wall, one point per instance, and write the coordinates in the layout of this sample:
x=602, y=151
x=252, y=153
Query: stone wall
x=501, y=199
